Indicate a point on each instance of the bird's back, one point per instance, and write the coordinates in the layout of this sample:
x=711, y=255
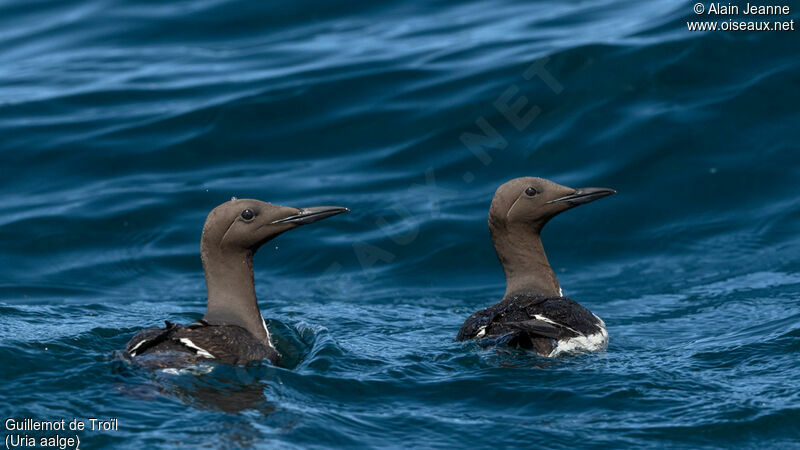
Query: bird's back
x=198, y=342
x=549, y=325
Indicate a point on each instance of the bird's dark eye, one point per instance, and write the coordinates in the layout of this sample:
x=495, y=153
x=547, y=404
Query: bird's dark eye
x=530, y=192
x=248, y=214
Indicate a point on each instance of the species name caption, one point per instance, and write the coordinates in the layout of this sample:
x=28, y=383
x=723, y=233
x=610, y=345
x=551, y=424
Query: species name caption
x=59, y=433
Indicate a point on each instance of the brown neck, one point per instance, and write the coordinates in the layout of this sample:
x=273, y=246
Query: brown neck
x=524, y=261
x=231, y=290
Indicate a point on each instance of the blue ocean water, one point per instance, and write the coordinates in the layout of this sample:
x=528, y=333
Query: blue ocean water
x=123, y=123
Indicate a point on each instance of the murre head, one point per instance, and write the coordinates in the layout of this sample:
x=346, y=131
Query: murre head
x=531, y=202
x=233, y=232
x=520, y=209
x=247, y=224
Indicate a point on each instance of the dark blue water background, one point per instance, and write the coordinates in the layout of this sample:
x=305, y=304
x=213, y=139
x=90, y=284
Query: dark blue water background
x=123, y=123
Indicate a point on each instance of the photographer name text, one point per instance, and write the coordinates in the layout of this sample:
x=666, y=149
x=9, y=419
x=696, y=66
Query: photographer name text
x=721, y=9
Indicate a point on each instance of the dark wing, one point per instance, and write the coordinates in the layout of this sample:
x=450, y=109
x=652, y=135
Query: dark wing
x=514, y=315
x=531, y=322
x=474, y=323
x=227, y=344
x=540, y=328
x=149, y=338
x=569, y=313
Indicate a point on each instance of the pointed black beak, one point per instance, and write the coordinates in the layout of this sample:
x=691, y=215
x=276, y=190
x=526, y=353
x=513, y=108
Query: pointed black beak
x=313, y=214
x=584, y=195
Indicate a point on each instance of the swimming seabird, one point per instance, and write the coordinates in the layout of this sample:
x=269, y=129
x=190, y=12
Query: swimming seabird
x=534, y=314
x=232, y=330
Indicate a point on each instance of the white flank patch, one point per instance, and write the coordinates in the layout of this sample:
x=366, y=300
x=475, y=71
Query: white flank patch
x=133, y=350
x=269, y=339
x=481, y=332
x=200, y=351
x=591, y=343
x=560, y=292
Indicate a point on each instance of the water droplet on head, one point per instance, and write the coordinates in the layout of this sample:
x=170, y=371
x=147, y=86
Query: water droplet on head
x=234, y=199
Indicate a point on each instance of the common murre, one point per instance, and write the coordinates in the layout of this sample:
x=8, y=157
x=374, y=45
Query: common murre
x=232, y=330
x=534, y=314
